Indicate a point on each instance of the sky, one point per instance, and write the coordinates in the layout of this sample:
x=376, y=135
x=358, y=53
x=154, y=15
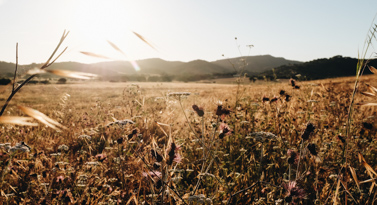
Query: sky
x=183, y=30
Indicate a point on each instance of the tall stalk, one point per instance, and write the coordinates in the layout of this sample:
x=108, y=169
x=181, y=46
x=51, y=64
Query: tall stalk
x=45, y=65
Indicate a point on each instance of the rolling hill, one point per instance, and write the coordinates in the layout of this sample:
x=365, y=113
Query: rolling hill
x=254, y=64
x=337, y=66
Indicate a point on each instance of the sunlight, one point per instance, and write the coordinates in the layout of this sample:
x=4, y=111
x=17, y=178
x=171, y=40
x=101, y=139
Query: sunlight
x=95, y=22
x=99, y=20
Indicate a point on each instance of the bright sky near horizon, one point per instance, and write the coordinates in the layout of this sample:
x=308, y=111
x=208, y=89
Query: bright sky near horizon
x=184, y=30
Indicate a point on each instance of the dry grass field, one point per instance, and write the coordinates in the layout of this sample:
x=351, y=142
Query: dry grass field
x=146, y=143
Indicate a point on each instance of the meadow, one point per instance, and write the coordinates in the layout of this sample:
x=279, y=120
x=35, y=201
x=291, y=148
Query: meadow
x=191, y=143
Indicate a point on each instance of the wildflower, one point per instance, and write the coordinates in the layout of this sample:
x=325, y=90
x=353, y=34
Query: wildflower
x=21, y=147
x=224, y=130
x=153, y=174
x=308, y=131
x=292, y=156
x=101, y=157
x=87, y=137
x=293, y=191
x=63, y=147
x=59, y=178
x=177, y=158
x=312, y=149
x=198, y=110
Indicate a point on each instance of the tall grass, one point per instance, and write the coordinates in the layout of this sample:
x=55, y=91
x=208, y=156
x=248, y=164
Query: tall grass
x=188, y=144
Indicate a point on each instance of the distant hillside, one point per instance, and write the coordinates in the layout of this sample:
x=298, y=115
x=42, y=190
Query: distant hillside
x=7, y=69
x=158, y=66
x=336, y=66
x=199, y=67
x=153, y=66
x=254, y=64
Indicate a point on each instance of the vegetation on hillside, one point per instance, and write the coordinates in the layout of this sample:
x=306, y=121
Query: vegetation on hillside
x=336, y=66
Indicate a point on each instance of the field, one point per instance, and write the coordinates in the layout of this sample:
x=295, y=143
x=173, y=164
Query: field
x=263, y=143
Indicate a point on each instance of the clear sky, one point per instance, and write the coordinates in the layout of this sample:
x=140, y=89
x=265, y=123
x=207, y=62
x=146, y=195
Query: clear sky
x=184, y=30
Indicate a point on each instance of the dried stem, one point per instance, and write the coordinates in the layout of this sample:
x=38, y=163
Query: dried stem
x=47, y=64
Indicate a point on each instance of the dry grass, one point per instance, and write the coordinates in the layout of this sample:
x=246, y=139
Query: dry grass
x=93, y=163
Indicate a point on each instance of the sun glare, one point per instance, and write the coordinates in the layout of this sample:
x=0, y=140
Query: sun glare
x=95, y=22
x=98, y=20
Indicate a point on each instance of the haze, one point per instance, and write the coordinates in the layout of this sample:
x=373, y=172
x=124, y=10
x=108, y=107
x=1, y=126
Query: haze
x=184, y=30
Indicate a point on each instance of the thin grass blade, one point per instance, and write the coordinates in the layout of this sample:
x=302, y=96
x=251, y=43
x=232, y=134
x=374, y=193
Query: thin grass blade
x=368, y=94
x=335, y=198
x=368, y=180
x=24, y=121
x=366, y=104
x=94, y=55
x=354, y=175
x=116, y=47
x=371, y=88
x=73, y=74
x=41, y=118
x=372, y=69
x=145, y=41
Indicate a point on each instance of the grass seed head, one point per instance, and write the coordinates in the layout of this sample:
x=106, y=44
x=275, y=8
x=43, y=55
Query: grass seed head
x=308, y=131
x=312, y=149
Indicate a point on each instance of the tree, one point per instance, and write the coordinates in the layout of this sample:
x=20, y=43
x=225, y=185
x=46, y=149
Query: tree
x=62, y=81
x=4, y=81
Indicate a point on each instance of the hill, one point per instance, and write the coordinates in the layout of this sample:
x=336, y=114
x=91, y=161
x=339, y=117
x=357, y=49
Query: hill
x=155, y=66
x=254, y=64
x=199, y=67
x=337, y=66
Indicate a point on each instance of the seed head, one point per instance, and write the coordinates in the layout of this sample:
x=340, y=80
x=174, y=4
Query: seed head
x=265, y=99
x=308, y=131
x=292, y=82
x=342, y=139
x=312, y=149
x=198, y=110
x=292, y=156
x=368, y=126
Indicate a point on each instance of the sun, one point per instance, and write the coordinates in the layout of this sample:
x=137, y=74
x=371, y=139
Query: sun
x=98, y=19
x=94, y=22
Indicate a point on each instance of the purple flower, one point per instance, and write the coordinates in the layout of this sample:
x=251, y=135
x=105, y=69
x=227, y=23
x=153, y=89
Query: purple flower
x=293, y=191
x=60, y=178
x=153, y=174
x=224, y=130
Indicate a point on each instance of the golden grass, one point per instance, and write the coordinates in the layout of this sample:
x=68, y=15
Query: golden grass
x=104, y=162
